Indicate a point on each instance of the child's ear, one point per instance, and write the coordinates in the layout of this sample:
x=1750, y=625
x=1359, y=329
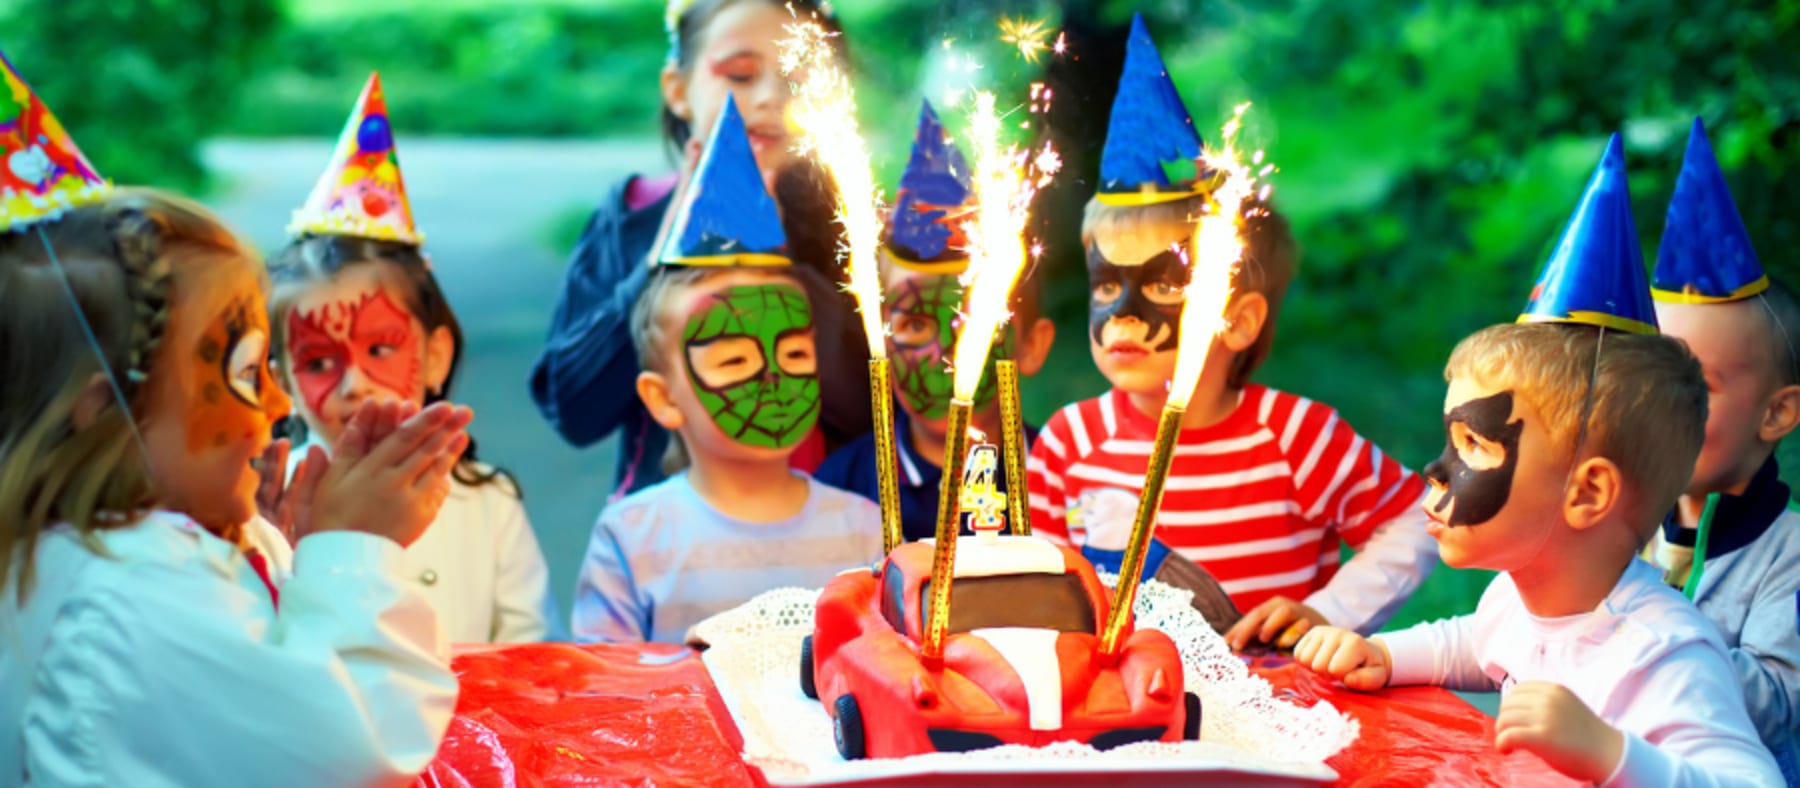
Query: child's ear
x=1244, y=321
x=1595, y=488
x=1782, y=415
x=1034, y=345
x=440, y=350
x=674, y=92
x=92, y=401
x=653, y=390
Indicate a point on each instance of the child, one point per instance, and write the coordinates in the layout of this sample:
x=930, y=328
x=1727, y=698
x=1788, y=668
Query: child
x=1712, y=294
x=142, y=649
x=717, y=49
x=1264, y=483
x=730, y=370
x=921, y=260
x=358, y=316
x=1566, y=442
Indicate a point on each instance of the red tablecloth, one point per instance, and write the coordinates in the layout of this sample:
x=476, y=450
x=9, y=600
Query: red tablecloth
x=650, y=716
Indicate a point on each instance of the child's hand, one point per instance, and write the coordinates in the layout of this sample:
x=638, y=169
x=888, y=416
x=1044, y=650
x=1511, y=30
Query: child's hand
x=1361, y=663
x=287, y=502
x=1548, y=721
x=1280, y=621
x=390, y=474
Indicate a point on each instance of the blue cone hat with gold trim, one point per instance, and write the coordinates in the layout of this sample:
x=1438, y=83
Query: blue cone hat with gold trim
x=1705, y=256
x=1149, y=126
x=1595, y=276
x=42, y=173
x=727, y=216
x=924, y=232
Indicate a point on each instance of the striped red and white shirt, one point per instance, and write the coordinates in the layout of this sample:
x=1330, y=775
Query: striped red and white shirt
x=1260, y=499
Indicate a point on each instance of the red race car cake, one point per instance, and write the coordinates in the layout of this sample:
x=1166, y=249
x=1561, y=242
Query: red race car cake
x=1022, y=662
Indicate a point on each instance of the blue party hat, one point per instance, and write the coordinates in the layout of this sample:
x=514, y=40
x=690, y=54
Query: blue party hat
x=1596, y=274
x=727, y=216
x=1705, y=257
x=924, y=232
x=1149, y=126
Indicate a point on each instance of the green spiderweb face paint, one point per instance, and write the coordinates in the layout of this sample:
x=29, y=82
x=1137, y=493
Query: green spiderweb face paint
x=752, y=361
x=922, y=326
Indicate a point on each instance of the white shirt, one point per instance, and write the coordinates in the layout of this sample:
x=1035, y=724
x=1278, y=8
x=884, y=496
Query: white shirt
x=479, y=565
x=1645, y=661
x=165, y=664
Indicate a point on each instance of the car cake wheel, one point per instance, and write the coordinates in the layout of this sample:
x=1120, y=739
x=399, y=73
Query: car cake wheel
x=1190, y=729
x=807, y=682
x=847, y=728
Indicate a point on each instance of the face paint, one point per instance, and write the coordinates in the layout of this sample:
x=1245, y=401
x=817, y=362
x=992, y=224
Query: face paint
x=1480, y=454
x=1149, y=292
x=751, y=359
x=923, y=321
x=371, y=335
x=238, y=398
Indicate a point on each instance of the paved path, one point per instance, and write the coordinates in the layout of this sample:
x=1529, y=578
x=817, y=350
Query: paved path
x=488, y=209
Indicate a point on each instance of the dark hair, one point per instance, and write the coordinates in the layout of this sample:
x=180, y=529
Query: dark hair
x=688, y=29
x=317, y=258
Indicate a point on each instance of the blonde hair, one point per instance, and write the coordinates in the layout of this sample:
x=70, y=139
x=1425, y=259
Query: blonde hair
x=119, y=256
x=1648, y=407
x=651, y=339
x=1271, y=255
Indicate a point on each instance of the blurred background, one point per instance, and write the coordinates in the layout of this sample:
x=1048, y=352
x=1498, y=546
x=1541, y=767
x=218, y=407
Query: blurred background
x=1429, y=151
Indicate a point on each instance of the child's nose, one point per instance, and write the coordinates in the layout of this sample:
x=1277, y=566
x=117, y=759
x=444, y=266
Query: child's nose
x=276, y=403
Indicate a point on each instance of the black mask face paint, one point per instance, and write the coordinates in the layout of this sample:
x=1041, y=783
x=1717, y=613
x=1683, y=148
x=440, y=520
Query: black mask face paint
x=1149, y=292
x=1478, y=492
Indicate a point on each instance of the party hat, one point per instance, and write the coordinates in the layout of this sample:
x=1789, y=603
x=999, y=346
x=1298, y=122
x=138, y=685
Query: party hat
x=1149, y=126
x=45, y=174
x=1596, y=274
x=1705, y=257
x=924, y=232
x=361, y=193
x=727, y=216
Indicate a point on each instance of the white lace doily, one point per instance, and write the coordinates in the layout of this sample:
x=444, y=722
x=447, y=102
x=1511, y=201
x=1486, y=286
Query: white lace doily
x=755, y=661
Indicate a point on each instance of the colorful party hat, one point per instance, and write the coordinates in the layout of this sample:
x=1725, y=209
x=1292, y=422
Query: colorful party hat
x=1596, y=274
x=1705, y=257
x=727, y=216
x=361, y=193
x=1149, y=126
x=924, y=232
x=44, y=173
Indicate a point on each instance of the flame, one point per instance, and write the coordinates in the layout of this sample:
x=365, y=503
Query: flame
x=1217, y=250
x=1005, y=179
x=824, y=109
x=1028, y=35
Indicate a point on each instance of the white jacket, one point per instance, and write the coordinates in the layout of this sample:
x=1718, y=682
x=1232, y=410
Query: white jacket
x=164, y=663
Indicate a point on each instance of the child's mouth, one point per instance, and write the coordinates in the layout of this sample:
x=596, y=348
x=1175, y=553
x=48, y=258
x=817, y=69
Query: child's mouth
x=763, y=139
x=1126, y=351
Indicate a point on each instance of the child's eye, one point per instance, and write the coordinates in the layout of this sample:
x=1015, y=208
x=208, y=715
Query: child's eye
x=317, y=366
x=1163, y=293
x=1107, y=292
x=382, y=351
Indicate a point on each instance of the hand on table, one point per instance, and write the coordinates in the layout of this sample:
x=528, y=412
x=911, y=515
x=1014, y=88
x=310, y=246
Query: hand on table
x=1359, y=662
x=1280, y=622
x=1548, y=721
x=390, y=472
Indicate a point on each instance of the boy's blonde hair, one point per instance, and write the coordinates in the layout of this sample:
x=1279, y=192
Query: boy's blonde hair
x=1648, y=403
x=651, y=339
x=120, y=256
x=1270, y=254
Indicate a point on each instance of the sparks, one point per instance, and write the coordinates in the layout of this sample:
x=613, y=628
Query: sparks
x=1218, y=248
x=1061, y=47
x=1028, y=35
x=1005, y=179
x=824, y=109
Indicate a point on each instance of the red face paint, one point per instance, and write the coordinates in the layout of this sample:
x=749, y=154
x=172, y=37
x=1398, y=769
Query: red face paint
x=370, y=335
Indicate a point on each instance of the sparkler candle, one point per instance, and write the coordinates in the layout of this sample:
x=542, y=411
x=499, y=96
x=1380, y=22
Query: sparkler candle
x=824, y=109
x=1012, y=445
x=1214, y=256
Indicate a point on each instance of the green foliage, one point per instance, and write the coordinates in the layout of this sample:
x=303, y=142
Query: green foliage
x=138, y=84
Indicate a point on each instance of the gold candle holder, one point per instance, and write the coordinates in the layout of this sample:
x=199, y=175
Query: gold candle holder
x=1012, y=447
x=1131, y=570
x=887, y=473
x=949, y=522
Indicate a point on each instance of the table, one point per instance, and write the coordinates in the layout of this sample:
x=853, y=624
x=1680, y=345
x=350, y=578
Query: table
x=558, y=714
